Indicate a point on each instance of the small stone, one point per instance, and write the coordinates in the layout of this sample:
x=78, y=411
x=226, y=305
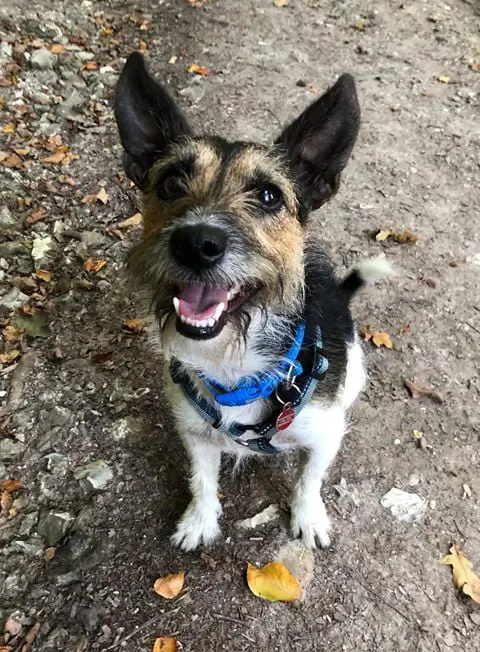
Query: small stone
x=413, y=480
x=9, y=249
x=92, y=239
x=13, y=299
x=299, y=561
x=29, y=521
x=57, y=416
x=56, y=463
x=10, y=449
x=404, y=506
x=33, y=547
x=70, y=108
x=42, y=59
x=42, y=245
x=14, y=623
x=53, y=526
x=6, y=218
x=267, y=515
x=94, y=476
x=128, y=428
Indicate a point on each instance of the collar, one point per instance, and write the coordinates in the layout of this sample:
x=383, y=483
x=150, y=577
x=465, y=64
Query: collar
x=252, y=388
x=291, y=394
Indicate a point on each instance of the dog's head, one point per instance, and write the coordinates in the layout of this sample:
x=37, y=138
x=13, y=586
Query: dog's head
x=225, y=222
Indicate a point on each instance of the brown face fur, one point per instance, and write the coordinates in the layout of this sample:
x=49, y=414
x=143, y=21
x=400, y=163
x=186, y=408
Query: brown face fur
x=217, y=182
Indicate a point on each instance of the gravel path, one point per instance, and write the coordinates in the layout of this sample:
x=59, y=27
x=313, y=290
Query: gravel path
x=84, y=425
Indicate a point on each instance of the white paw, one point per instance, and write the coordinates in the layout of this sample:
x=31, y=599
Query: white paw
x=310, y=522
x=198, y=525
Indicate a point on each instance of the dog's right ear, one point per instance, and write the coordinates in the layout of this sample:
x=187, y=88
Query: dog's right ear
x=147, y=117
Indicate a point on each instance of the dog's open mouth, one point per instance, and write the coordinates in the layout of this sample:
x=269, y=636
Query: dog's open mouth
x=202, y=309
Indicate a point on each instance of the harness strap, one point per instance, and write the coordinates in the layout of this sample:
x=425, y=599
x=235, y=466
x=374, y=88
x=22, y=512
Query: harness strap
x=297, y=395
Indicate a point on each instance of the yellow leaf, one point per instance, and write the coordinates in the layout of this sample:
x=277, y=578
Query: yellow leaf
x=361, y=25
x=379, y=338
x=8, y=128
x=94, y=264
x=273, y=582
x=170, y=585
x=173, y=59
x=417, y=434
x=198, y=70
x=134, y=325
x=383, y=234
x=57, y=48
x=280, y=3
x=444, y=79
x=135, y=220
x=463, y=576
x=382, y=339
x=5, y=358
x=165, y=644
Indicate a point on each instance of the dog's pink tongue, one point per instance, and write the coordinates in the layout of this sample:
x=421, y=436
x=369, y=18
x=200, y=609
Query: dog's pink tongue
x=198, y=301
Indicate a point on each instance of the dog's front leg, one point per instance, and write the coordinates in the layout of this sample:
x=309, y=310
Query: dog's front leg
x=199, y=523
x=309, y=515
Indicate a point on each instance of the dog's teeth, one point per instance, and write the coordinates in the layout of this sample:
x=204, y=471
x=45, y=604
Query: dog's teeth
x=182, y=318
x=229, y=295
x=176, y=305
x=220, y=308
x=211, y=322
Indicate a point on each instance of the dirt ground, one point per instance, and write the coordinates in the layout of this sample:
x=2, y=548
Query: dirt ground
x=83, y=546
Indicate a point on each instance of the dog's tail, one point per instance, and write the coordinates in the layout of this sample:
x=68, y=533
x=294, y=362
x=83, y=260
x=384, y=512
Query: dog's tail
x=368, y=271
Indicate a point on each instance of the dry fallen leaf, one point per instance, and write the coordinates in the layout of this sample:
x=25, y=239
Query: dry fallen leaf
x=463, y=576
x=402, y=237
x=94, y=264
x=10, y=160
x=49, y=553
x=44, y=275
x=5, y=503
x=135, y=220
x=10, y=485
x=91, y=65
x=57, y=48
x=12, y=334
x=173, y=59
x=273, y=582
x=101, y=196
x=36, y=216
x=417, y=391
x=280, y=3
x=379, y=338
x=444, y=79
x=10, y=356
x=404, y=328
x=474, y=66
x=361, y=25
x=199, y=70
x=170, y=585
x=134, y=325
x=165, y=644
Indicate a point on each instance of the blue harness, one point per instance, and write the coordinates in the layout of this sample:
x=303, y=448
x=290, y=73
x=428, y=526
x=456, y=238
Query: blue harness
x=293, y=381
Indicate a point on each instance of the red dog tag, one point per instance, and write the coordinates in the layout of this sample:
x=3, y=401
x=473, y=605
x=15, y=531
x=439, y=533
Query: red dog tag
x=286, y=417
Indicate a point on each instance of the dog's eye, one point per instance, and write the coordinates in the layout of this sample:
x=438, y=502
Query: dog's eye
x=170, y=188
x=270, y=197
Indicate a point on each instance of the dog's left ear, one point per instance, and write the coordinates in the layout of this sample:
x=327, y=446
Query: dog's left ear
x=319, y=142
x=147, y=117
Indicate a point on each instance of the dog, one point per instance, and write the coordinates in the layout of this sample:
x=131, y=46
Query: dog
x=261, y=354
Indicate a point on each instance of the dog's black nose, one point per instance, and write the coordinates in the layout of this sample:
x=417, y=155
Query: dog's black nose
x=198, y=246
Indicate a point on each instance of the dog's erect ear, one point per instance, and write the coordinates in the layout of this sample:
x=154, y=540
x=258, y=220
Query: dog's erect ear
x=147, y=117
x=319, y=142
